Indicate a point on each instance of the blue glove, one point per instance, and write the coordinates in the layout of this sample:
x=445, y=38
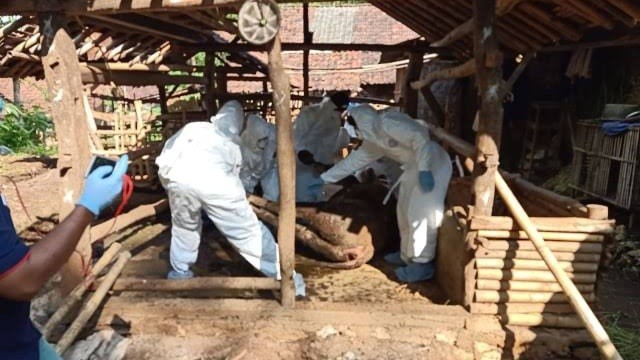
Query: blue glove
x=315, y=187
x=426, y=180
x=103, y=185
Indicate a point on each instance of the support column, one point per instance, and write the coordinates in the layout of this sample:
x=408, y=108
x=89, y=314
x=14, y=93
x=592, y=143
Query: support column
x=305, y=54
x=210, y=84
x=16, y=91
x=286, y=171
x=410, y=95
x=64, y=87
x=162, y=93
x=488, y=60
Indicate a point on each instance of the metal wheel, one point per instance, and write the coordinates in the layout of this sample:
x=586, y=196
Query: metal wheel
x=259, y=21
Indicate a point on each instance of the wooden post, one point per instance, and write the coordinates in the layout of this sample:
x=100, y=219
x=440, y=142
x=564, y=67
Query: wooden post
x=210, y=83
x=410, y=96
x=305, y=54
x=64, y=87
x=16, y=91
x=286, y=171
x=162, y=94
x=488, y=60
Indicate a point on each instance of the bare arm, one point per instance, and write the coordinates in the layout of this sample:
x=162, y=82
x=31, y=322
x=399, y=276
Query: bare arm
x=46, y=257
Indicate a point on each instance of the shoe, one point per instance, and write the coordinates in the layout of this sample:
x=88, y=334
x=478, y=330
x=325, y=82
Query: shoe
x=298, y=282
x=415, y=272
x=179, y=275
x=394, y=258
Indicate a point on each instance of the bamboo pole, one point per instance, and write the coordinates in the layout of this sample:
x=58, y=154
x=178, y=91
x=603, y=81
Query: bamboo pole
x=492, y=296
x=532, y=275
x=92, y=305
x=286, y=170
x=76, y=295
x=558, y=236
x=484, y=284
x=585, y=313
x=526, y=264
x=197, y=284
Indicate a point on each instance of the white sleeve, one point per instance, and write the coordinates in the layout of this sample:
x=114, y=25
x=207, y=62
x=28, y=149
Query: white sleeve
x=366, y=154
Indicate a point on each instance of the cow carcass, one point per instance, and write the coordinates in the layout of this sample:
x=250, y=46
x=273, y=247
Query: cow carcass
x=347, y=230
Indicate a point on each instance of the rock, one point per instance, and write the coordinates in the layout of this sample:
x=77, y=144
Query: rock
x=484, y=351
x=103, y=345
x=326, y=332
x=448, y=337
x=381, y=334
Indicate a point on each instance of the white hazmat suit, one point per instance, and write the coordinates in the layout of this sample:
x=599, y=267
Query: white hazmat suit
x=199, y=167
x=258, y=146
x=318, y=130
x=402, y=139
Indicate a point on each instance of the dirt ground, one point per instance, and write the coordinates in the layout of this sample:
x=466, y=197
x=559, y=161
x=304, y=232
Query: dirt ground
x=349, y=314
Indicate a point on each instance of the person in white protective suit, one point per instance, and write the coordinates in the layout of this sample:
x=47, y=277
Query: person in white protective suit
x=423, y=183
x=258, y=145
x=318, y=138
x=199, y=167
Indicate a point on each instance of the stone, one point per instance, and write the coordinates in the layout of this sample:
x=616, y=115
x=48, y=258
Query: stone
x=103, y=345
x=326, y=332
x=381, y=334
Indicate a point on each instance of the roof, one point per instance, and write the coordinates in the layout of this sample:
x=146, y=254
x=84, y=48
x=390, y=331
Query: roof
x=524, y=25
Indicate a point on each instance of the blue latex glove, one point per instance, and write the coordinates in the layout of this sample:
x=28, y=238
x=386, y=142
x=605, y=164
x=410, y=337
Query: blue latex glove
x=315, y=187
x=103, y=185
x=426, y=180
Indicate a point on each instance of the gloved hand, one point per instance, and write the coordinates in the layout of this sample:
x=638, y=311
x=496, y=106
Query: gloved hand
x=103, y=185
x=316, y=185
x=426, y=180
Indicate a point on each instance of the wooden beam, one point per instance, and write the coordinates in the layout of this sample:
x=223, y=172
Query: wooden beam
x=305, y=54
x=80, y=7
x=138, y=28
x=460, y=71
x=410, y=95
x=625, y=41
x=488, y=59
x=456, y=34
x=267, y=96
x=64, y=86
x=286, y=171
x=196, y=284
x=404, y=47
x=116, y=66
x=210, y=85
x=93, y=75
x=434, y=105
x=631, y=8
x=506, y=88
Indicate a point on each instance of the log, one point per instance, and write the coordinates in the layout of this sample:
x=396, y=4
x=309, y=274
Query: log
x=94, y=75
x=115, y=66
x=534, y=255
x=525, y=264
x=456, y=34
x=286, y=170
x=519, y=308
x=92, y=305
x=545, y=320
x=410, y=95
x=483, y=284
x=434, y=105
x=196, y=284
x=557, y=236
x=491, y=296
x=141, y=212
x=64, y=86
x=506, y=88
x=76, y=295
x=597, y=212
x=561, y=246
x=460, y=71
x=586, y=315
x=533, y=275
x=562, y=224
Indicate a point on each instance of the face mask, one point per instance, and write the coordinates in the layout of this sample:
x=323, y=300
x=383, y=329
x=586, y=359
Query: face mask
x=262, y=143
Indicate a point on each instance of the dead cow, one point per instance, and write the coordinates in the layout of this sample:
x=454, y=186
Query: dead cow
x=346, y=230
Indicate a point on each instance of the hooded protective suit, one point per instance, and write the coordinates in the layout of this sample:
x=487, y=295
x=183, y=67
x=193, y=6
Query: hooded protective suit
x=258, y=146
x=318, y=130
x=402, y=139
x=199, y=167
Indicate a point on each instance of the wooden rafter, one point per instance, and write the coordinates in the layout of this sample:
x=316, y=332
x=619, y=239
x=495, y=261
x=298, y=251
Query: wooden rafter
x=137, y=27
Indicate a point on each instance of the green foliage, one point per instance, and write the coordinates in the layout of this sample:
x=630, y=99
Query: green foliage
x=626, y=339
x=26, y=130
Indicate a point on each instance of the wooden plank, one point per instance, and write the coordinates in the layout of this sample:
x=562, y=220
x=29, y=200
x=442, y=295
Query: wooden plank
x=501, y=297
x=286, y=171
x=196, y=284
x=557, y=236
x=483, y=284
x=520, y=308
x=544, y=320
x=534, y=255
x=138, y=28
x=527, y=264
x=456, y=34
x=532, y=275
x=559, y=224
x=562, y=246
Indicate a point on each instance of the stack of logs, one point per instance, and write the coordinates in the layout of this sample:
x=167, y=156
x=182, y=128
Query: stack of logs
x=512, y=281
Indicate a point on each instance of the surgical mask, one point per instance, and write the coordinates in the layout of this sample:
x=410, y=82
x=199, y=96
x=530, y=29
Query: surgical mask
x=262, y=143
